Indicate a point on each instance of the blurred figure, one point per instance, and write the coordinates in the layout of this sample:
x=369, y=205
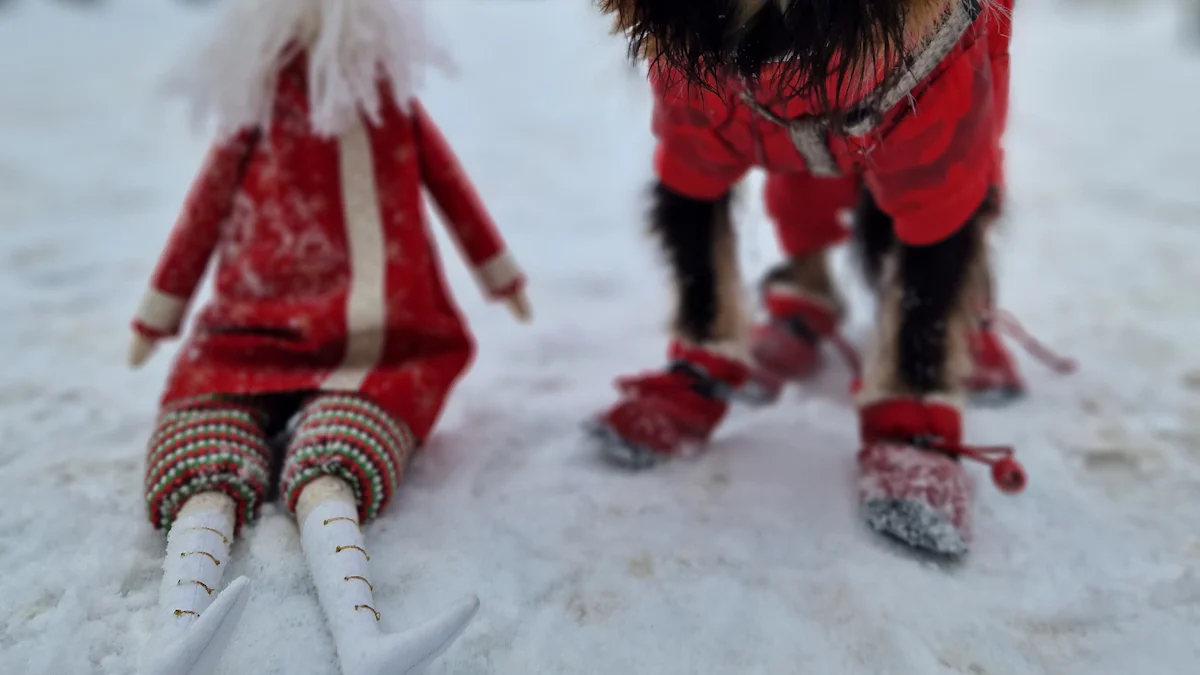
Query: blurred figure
x=893, y=108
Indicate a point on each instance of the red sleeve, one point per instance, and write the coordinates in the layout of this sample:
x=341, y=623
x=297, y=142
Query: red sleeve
x=691, y=158
x=463, y=211
x=936, y=154
x=185, y=257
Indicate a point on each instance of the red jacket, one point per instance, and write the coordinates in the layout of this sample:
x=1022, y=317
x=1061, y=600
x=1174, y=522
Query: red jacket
x=326, y=274
x=928, y=159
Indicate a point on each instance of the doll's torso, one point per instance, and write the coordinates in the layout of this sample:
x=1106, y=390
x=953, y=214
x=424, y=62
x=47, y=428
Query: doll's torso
x=291, y=248
x=326, y=275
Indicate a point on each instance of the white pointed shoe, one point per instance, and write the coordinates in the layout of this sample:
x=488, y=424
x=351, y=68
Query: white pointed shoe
x=196, y=622
x=197, y=649
x=409, y=652
x=333, y=547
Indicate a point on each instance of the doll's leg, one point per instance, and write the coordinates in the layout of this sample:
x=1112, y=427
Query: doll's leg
x=206, y=474
x=802, y=304
x=344, y=463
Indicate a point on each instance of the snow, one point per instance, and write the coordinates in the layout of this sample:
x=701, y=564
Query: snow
x=746, y=559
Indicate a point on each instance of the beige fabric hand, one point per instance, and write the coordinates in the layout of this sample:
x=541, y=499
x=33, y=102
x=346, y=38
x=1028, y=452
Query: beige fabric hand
x=140, y=349
x=518, y=304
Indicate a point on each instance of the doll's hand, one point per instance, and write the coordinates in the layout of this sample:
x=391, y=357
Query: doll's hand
x=518, y=304
x=140, y=349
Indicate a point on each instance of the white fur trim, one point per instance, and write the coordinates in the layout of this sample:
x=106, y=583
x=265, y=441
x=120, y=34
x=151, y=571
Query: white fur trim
x=231, y=76
x=161, y=311
x=365, y=308
x=498, y=273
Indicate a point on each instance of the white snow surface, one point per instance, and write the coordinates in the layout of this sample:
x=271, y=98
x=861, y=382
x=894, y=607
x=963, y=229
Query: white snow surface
x=748, y=558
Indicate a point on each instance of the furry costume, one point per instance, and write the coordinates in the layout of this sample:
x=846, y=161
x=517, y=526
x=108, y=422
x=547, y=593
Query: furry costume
x=899, y=101
x=329, y=309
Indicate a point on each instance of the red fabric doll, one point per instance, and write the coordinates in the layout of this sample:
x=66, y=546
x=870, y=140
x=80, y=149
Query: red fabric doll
x=329, y=311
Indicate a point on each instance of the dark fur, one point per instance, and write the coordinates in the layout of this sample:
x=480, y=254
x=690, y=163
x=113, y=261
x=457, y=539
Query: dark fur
x=830, y=44
x=873, y=237
x=934, y=280
x=688, y=231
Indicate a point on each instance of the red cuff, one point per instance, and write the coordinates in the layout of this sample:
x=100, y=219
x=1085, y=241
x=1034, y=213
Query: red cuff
x=150, y=333
x=510, y=290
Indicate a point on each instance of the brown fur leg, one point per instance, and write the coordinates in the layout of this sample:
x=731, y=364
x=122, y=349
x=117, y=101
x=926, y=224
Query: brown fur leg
x=919, y=348
x=700, y=245
x=809, y=275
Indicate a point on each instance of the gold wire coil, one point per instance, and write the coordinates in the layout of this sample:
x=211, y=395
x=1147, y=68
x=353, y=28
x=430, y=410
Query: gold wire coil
x=356, y=548
x=206, y=553
x=358, y=607
x=362, y=580
x=216, y=532
x=199, y=583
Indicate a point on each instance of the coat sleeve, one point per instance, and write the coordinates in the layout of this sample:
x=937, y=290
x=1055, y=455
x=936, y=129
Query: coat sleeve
x=936, y=155
x=182, y=264
x=691, y=158
x=463, y=212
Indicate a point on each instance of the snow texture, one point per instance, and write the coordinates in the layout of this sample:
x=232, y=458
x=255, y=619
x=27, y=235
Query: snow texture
x=750, y=558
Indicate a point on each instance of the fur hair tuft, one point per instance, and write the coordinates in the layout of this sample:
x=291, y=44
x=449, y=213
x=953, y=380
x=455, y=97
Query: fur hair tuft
x=827, y=50
x=232, y=75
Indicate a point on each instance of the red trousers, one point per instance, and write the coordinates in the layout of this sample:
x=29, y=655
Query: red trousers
x=807, y=210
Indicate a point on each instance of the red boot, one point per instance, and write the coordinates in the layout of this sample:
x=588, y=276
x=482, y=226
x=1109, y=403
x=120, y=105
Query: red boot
x=994, y=379
x=787, y=347
x=912, y=483
x=665, y=413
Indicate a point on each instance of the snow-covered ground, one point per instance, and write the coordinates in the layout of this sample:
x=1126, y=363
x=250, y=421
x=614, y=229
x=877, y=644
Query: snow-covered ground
x=748, y=559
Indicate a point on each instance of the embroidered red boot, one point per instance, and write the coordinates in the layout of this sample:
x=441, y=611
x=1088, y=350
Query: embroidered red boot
x=912, y=484
x=667, y=413
x=787, y=346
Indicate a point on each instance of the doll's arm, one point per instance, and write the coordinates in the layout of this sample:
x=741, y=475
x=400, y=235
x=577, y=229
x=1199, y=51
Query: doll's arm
x=466, y=218
x=192, y=241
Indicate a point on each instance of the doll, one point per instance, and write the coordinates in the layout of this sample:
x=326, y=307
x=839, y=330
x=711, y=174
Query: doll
x=329, y=312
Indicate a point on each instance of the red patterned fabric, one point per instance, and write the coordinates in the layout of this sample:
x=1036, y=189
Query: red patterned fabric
x=929, y=164
x=297, y=304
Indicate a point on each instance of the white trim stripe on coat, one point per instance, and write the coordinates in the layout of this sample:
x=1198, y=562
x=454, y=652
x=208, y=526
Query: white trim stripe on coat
x=161, y=311
x=365, y=303
x=497, y=274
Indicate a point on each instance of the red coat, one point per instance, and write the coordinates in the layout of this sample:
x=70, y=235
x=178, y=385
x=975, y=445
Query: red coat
x=928, y=159
x=326, y=277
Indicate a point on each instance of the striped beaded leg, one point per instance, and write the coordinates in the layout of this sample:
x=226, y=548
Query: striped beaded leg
x=348, y=437
x=207, y=445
